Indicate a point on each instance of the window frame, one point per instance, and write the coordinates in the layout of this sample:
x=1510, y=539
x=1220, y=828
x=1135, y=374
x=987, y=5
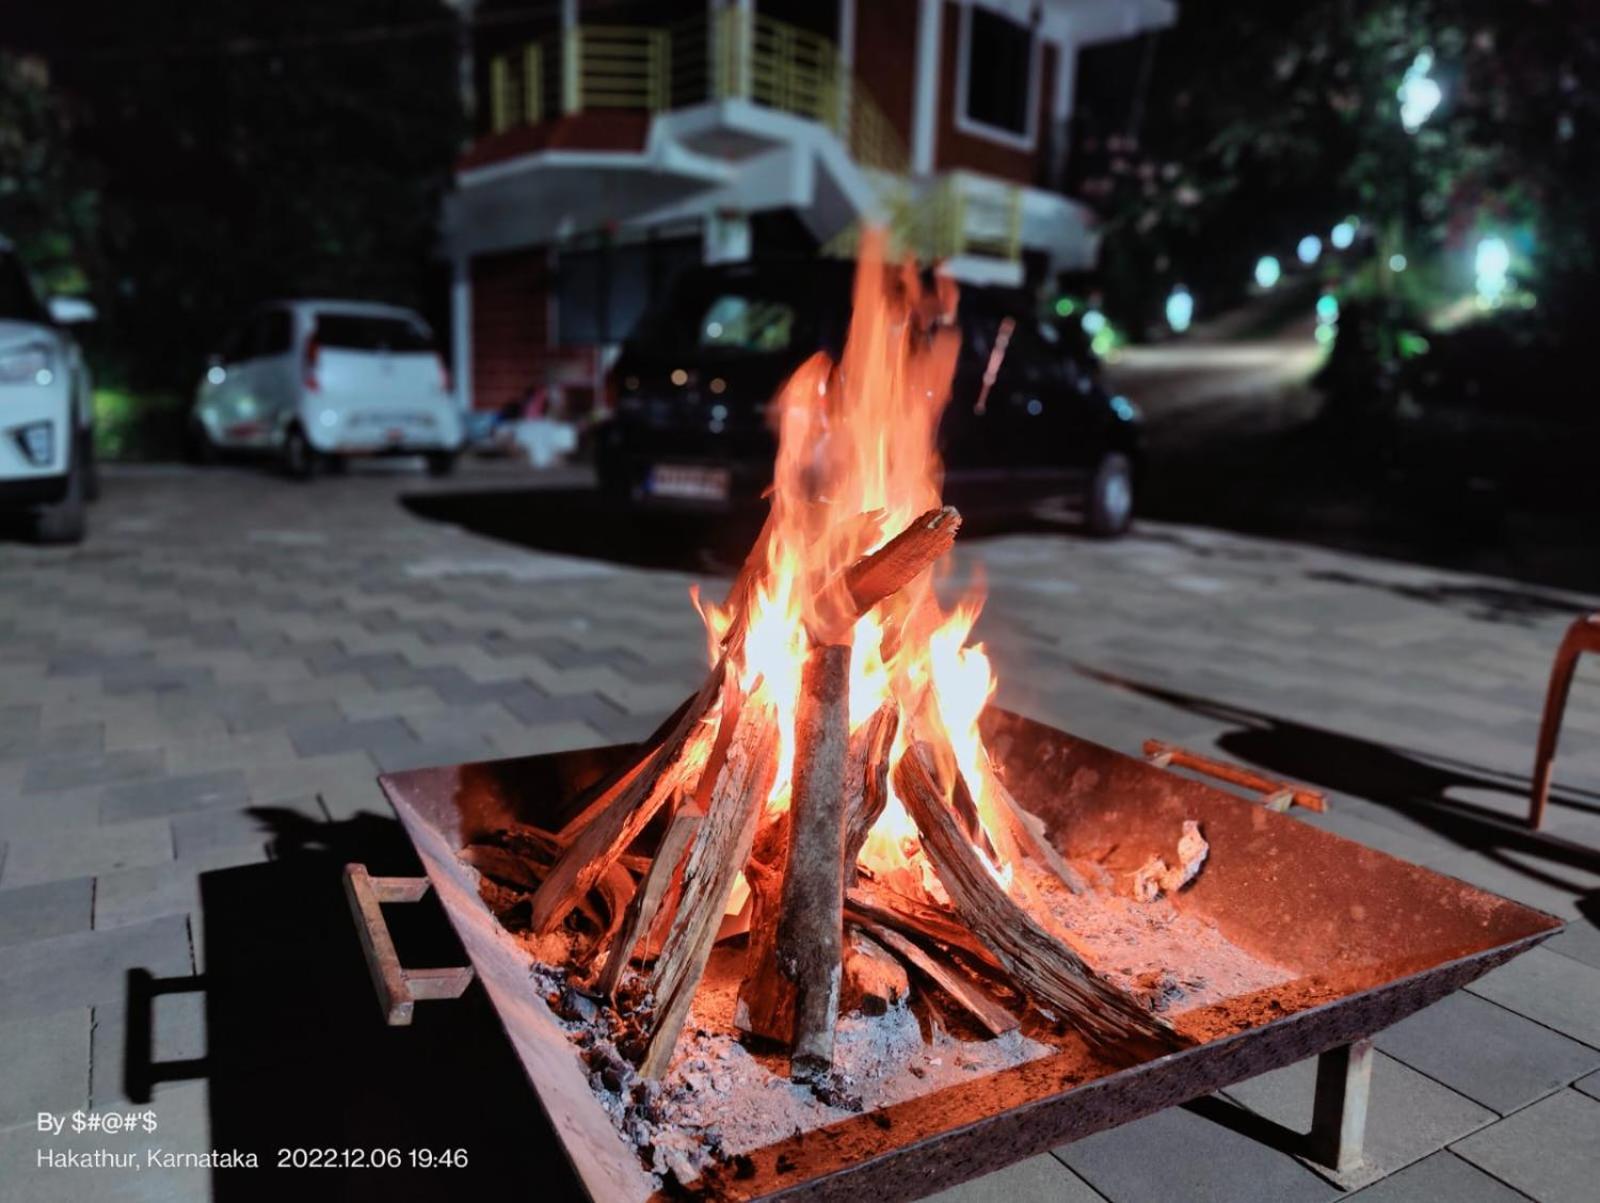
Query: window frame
x=965, y=124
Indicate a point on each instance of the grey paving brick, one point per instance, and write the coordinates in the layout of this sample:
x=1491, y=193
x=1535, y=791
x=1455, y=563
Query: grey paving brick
x=85, y=852
x=1550, y=989
x=43, y=743
x=135, y=895
x=1549, y=1151
x=177, y=1032
x=1408, y=1114
x=1590, y=1085
x=46, y=1061
x=204, y=831
x=1040, y=1179
x=269, y=716
x=320, y=739
x=52, y=908
x=533, y=707
x=92, y=768
x=1179, y=1154
x=1488, y=1053
x=174, y=795
x=86, y=968
x=182, y=1123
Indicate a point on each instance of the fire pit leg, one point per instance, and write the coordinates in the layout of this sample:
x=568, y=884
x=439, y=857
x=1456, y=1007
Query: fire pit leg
x=1339, y=1115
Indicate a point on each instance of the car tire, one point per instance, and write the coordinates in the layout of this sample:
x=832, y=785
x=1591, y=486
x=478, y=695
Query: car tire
x=442, y=463
x=298, y=458
x=68, y=519
x=91, y=468
x=1108, y=509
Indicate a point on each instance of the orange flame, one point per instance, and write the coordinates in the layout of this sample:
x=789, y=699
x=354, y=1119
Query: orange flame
x=858, y=462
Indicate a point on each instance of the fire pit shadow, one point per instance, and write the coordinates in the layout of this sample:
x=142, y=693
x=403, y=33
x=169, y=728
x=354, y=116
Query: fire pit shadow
x=297, y=1055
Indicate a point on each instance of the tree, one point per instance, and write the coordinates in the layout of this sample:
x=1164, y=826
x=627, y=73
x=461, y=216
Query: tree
x=248, y=151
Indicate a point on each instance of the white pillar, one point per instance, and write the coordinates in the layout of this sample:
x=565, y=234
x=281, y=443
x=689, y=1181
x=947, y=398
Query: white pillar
x=925, y=99
x=461, y=330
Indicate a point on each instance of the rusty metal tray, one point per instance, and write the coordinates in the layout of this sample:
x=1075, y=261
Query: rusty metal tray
x=1383, y=937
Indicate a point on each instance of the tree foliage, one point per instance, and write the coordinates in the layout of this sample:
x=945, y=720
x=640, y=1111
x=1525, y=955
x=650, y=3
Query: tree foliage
x=244, y=151
x=1264, y=121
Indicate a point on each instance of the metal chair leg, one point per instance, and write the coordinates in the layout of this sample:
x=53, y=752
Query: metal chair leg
x=1582, y=636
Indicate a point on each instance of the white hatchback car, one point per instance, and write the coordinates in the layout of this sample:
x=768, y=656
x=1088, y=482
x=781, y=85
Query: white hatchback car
x=324, y=380
x=46, y=430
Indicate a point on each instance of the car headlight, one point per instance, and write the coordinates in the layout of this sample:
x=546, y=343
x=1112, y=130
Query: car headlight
x=30, y=363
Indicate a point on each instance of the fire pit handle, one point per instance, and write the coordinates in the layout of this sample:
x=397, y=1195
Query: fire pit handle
x=1276, y=795
x=398, y=989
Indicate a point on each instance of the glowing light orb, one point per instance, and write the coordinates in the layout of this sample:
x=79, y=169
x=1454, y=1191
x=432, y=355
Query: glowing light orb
x=1268, y=271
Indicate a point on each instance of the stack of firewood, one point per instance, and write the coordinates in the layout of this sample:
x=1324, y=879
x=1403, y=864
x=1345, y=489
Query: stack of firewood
x=811, y=913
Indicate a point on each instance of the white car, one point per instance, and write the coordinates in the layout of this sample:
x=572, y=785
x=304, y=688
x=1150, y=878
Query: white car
x=46, y=418
x=320, y=381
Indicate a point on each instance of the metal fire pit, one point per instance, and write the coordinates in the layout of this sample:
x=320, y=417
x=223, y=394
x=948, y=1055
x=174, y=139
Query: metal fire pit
x=1381, y=937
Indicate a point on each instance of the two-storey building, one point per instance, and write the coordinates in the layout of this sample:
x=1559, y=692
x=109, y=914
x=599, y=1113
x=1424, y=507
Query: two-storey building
x=618, y=141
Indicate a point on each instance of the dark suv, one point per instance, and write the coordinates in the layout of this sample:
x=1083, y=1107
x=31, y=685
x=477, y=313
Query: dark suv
x=694, y=380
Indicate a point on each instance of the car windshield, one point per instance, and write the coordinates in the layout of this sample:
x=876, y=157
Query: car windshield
x=371, y=332
x=734, y=318
x=17, y=300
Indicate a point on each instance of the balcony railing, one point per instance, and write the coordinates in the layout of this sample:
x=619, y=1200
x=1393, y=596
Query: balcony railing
x=735, y=56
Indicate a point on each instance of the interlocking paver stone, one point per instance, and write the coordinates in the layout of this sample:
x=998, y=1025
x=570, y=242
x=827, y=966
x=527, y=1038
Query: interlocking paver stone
x=174, y=795
x=1550, y=989
x=1488, y=1053
x=91, y=768
x=1437, y=1179
x=1041, y=1179
x=44, y=976
x=46, y=1065
x=51, y=908
x=82, y=852
x=1549, y=1151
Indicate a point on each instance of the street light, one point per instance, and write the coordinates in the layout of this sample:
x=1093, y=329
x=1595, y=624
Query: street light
x=1309, y=250
x=1180, y=309
x=1268, y=270
x=1343, y=235
x=1419, y=93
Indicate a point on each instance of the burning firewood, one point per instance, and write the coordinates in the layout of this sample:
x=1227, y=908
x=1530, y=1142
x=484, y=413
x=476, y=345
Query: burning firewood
x=873, y=979
x=1050, y=972
x=995, y=1018
x=647, y=900
x=811, y=921
x=867, y=781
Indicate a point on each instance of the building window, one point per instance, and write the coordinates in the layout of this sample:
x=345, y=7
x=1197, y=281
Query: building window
x=998, y=85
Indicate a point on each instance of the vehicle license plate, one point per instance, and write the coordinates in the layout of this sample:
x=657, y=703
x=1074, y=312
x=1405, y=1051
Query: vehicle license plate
x=692, y=483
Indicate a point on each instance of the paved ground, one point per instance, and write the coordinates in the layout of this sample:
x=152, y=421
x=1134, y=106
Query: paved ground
x=198, y=699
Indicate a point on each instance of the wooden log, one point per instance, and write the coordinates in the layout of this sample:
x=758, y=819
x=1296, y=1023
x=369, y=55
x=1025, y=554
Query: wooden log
x=616, y=891
x=599, y=795
x=1029, y=835
x=811, y=925
x=1039, y=963
x=874, y=980
x=867, y=781
x=647, y=899
x=901, y=560
x=871, y=906
x=720, y=849
x=599, y=844
x=765, y=1007
x=966, y=994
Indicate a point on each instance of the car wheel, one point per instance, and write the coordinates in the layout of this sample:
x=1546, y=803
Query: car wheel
x=91, y=468
x=441, y=463
x=67, y=519
x=1109, y=506
x=299, y=458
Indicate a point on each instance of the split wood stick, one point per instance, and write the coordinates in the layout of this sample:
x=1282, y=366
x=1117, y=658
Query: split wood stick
x=599, y=844
x=647, y=900
x=874, y=980
x=870, y=905
x=901, y=560
x=811, y=925
x=1040, y=964
x=996, y=1020
x=601, y=793
x=765, y=1007
x=1028, y=829
x=615, y=888
x=720, y=849
x=867, y=781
